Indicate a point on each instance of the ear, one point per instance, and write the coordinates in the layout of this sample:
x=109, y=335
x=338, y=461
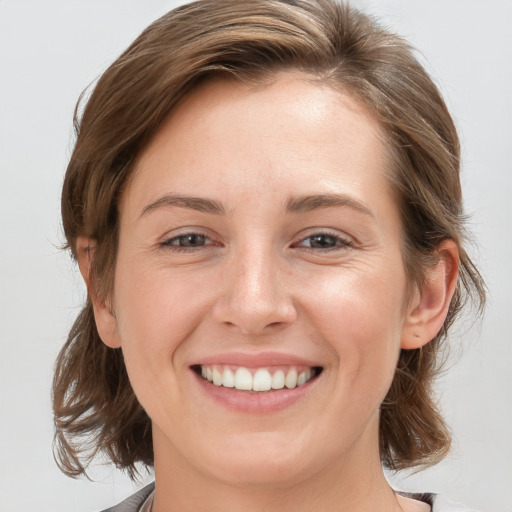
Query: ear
x=104, y=316
x=429, y=307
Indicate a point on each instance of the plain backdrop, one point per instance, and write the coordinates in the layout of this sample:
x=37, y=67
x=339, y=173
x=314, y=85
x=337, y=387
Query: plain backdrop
x=51, y=50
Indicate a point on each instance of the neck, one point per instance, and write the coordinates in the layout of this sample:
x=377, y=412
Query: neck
x=355, y=484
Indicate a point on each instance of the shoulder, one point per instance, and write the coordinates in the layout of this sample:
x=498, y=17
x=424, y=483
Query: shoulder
x=438, y=502
x=134, y=502
x=441, y=503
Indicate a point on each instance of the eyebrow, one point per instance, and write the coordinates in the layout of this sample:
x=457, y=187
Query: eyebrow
x=294, y=205
x=199, y=204
x=313, y=202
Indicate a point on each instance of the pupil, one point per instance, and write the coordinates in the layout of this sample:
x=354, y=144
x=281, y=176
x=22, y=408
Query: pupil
x=322, y=241
x=192, y=240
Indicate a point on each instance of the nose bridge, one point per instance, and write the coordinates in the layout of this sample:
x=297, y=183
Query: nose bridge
x=256, y=295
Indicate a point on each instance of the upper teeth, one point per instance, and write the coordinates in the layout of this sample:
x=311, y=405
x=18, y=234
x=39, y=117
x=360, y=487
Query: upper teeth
x=259, y=379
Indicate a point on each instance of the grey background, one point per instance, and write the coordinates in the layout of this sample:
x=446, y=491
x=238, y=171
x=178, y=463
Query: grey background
x=51, y=50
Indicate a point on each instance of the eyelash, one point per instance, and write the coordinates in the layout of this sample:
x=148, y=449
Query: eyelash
x=339, y=241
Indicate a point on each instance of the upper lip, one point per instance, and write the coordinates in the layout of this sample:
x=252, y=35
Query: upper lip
x=256, y=360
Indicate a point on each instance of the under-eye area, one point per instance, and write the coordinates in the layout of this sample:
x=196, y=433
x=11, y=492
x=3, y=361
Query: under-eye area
x=257, y=379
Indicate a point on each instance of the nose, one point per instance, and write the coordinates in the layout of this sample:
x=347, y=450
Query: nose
x=256, y=296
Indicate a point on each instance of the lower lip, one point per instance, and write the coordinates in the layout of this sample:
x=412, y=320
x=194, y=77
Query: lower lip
x=255, y=402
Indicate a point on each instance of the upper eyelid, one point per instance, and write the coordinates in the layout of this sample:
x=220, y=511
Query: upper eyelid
x=324, y=231
x=192, y=230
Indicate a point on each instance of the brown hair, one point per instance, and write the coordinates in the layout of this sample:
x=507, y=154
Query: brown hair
x=95, y=407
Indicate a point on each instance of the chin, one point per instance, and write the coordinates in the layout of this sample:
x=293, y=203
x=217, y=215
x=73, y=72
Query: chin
x=268, y=474
x=261, y=460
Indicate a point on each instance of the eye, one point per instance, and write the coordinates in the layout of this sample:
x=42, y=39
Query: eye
x=324, y=241
x=187, y=241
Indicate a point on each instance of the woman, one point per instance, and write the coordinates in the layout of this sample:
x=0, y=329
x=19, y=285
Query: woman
x=264, y=203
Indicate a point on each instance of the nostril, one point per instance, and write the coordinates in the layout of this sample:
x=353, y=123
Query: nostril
x=275, y=324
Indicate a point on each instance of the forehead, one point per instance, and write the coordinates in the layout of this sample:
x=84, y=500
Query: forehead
x=291, y=130
x=286, y=101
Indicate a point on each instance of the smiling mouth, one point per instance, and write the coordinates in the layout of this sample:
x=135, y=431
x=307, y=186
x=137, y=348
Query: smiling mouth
x=257, y=379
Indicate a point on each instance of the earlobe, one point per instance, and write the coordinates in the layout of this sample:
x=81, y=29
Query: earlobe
x=429, y=307
x=104, y=316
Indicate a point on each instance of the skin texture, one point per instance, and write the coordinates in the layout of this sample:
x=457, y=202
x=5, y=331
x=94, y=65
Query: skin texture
x=254, y=282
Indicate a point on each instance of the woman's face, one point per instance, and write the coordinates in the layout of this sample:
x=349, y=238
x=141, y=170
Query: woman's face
x=259, y=238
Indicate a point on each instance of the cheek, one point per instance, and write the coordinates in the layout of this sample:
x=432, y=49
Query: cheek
x=155, y=314
x=156, y=306
x=359, y=313
x=154, y=317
